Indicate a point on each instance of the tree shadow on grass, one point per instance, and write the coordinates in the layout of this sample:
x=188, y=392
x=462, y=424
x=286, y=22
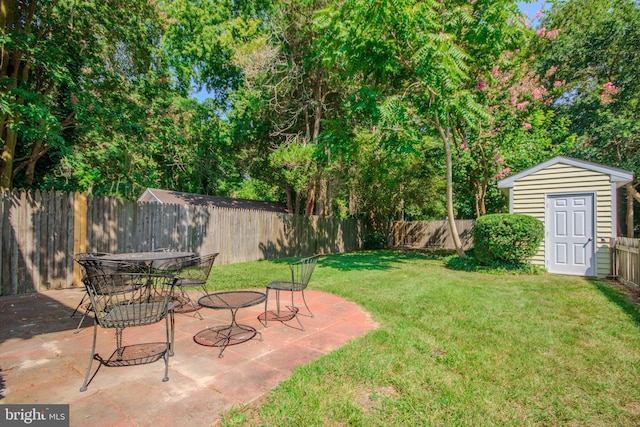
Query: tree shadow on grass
x=379, y=259
x=620, y=295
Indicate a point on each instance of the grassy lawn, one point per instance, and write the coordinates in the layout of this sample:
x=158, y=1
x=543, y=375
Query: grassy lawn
x=457, y=348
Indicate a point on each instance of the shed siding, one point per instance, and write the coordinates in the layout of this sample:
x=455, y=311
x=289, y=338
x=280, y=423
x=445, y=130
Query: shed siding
x=529, y=198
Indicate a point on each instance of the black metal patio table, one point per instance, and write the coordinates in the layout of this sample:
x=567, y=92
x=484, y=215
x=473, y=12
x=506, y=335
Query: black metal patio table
x=234, y=333
x=150, y=259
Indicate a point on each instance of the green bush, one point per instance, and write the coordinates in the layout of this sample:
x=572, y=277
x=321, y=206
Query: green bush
x=508, y=238
x=374, y=240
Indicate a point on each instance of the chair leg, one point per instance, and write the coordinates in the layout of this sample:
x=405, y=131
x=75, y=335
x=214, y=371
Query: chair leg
x=305, y=304
x=79, y=305
x=186, y=296
x=295, y=311
x=278, y=302
x=119, y=347
x=80, y=322
x=93, y=352
x=266, y=301
x=168, y=350
x=172, y=326
x=84, y=313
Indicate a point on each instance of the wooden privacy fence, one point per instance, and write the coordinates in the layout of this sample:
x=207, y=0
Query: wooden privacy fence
x=625, y=263
x=431, y=234
x=41, y=231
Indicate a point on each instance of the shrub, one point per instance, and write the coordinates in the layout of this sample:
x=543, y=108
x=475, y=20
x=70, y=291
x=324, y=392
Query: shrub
x=509, y=238
x=374, y=240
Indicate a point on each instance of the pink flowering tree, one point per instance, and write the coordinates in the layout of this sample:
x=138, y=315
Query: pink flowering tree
x=520, y=131
x=595, y=62
x=431, y=60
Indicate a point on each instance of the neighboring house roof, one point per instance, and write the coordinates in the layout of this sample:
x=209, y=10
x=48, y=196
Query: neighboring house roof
x=619, y=176
x=178, y=198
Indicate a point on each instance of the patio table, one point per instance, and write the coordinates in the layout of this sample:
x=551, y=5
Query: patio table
x=223, y=336
x=150, y=259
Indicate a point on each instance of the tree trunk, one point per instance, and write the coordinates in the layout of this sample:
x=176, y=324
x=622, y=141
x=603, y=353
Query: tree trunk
x=8, y=150
x=444, y=134
x=353, y=199
x=38, y=150
x=289, y=200
x=311, y=200
x=297, y=209
x=322, y=196
x=330, y=199
x=631, y=194
x=481, y=192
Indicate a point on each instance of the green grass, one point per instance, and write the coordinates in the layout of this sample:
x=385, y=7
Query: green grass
x=458, y=348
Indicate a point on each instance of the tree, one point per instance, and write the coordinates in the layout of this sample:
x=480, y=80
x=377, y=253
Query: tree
x=58, y=58
x=521, y=131
x=593, y=46
x=425, y=60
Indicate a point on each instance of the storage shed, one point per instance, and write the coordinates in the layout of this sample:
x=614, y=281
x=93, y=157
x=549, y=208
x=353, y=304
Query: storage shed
x=156, y=195
x=577, y=201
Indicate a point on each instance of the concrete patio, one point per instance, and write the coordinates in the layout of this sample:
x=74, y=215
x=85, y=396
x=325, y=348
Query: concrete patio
x=42, y=360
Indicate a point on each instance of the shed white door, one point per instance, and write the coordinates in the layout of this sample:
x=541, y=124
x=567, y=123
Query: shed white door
x=570, y=237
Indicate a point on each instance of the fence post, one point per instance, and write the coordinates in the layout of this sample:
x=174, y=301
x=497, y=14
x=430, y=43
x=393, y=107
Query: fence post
x=398, y=233
x=79, y=232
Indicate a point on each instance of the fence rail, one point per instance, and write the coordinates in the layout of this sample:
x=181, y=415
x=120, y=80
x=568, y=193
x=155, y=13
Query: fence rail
x=431, y=234
x=41, y=231
x=625, y=265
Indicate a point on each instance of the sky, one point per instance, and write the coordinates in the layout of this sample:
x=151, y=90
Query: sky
x=531, y=8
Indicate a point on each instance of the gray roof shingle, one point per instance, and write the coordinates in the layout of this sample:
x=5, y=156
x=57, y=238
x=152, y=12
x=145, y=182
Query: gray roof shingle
x=175, y=197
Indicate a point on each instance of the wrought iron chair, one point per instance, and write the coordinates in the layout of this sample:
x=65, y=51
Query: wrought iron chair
x=189, y=273
x=93, y=265
x=125, y=300
x=81, y=258
x=301, y=272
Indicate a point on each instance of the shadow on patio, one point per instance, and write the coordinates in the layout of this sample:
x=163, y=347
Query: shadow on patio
x=42, y=361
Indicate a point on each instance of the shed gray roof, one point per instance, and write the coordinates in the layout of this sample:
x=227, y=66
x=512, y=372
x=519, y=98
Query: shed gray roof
x=619, y=176
x=175, y=197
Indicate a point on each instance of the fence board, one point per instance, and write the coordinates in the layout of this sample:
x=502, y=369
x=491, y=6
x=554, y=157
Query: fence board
x=431, y=234
x=626, y=261
x=39, y=233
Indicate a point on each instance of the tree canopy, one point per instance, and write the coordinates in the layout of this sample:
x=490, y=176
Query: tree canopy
x=378, y=109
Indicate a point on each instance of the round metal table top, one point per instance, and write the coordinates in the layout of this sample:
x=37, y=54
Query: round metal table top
x=232, y=299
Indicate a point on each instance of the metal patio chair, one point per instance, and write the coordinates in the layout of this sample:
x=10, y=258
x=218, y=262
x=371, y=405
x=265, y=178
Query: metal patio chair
x=93, y=265
x=190, y=273
x=80, y=258
x=126, y=300
x=301, y=272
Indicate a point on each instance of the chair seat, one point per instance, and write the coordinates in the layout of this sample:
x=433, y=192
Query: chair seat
x=301, y=272
x=128, y=299
x=187, y=281
x=286, y=285
x=191, y=273
x=123, y=316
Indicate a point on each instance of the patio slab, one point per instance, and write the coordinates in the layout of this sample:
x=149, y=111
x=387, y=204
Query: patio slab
x=43, y=360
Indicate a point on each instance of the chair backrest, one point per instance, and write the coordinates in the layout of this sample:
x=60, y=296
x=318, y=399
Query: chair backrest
x=123, y=300
x=95, y=266
x=84, y=257
x=302, y=270
x=197, y=268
